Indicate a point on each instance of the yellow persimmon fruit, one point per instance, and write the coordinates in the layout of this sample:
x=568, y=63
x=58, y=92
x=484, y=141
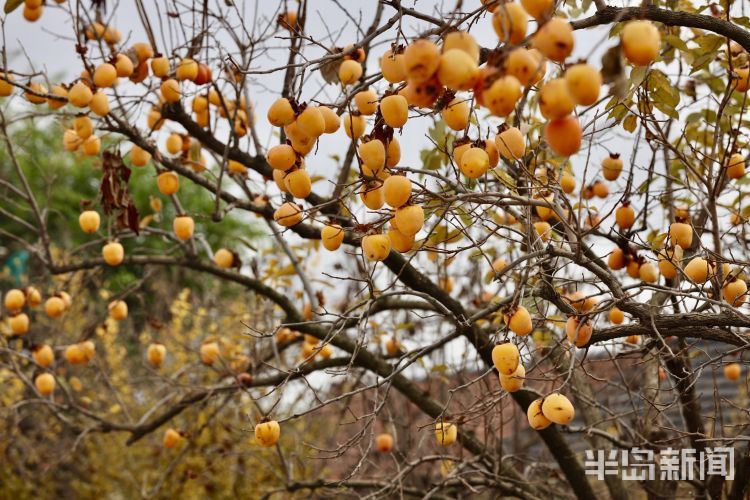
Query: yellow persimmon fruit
x=281, y=156
x=83, y=126
x=54, y=307
x=160, y=66
x=89, y=221
x=736, y=166
x=224, y=258
x=372, y=153
x=446, y=433
x=19, y=323
x=555, y=101
x=399, y=241
x=155, y=354
x=118, y=310
x=558, y=409
x=45, y=383
x=183, y=227
x=616, y=316
x=554, y=39
x=124, y=66
x=537, y=420
x=456, y=114
x=350, y=72
x=506, y=358
x=474, y=162
x=267, y=433
x=538, y=9
x=735, y=292
x=732, y=371
x=281, y=113
x=99, y=104
x=392, y=67
x=15, y=299
x=641, y=42
x=187, y=69
x=584, y=83
x=298, y=183
x=332, y=236
x=409, y=219
x=648, y=272
x=625, y=217
x=311, y=122
x=578, y=332
x=139, y=157
x=171, y=439
x=519, y=322
x=332, y=120
x=698, y=270
x=522, y=64
x=397, y=190
x=105, y=75
x=376, y=247
x=511, y=144
x=384, y=443
x=33, y=296
x=510, y=21
x=458, y=70
x=209, y=353
x=288, y=215
x=168, y=183
x=60, y=91
x=513, y=382
x=366, y=101
x=611, y=167
x=354, y=125
x=567, y=182
x=421, y=60
x=113, y=253
x=501, y=97
x=43, y=356
x=170, y=90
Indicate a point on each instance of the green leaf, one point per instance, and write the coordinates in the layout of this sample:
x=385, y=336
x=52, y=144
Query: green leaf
x=11, y=5
x=665, y=96
x=742, y=21
x=437, y=133
x=657, y=241
x=702, y=62
x=443, y=234
x=676, y=42
x=629, y=123
x=543, y=337
x=708, y=47
x=505, y=178
x=618, y=112
x=659, y=83
x=637, y=75
x=666, y=109
x=709, y=43
x=431, y=158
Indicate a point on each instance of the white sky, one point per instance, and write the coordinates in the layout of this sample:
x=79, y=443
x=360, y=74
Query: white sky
x=49, y=45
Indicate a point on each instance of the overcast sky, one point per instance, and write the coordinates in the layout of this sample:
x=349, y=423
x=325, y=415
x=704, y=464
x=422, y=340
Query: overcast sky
x=49, y=45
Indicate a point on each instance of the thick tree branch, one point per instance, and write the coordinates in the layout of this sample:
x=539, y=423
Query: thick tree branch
x=609, y=15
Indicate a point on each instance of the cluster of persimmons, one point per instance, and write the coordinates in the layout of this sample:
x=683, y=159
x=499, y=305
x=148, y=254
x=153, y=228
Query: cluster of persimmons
x=452, y=77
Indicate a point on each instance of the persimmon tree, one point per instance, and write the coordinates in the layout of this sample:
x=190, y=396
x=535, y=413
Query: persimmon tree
x=495, y=196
